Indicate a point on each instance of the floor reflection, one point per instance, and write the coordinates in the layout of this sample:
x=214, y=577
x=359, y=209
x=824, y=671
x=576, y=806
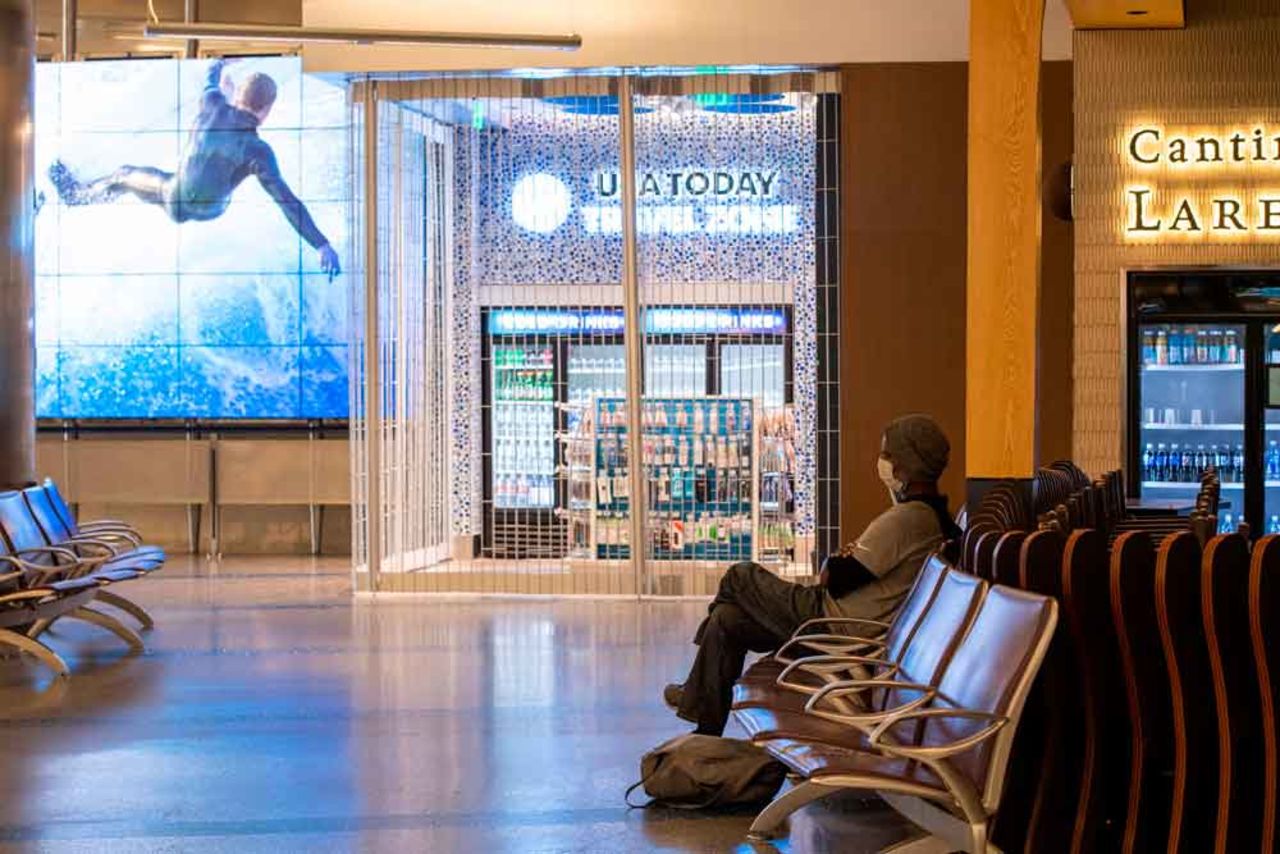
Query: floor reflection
x=272, y=711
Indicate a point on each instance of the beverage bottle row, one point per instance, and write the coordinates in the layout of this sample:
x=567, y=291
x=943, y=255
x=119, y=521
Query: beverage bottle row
x=590, y=378
x=719, y=417
x=524, y=385
x=516, y=491
x=517, y=357
x=1271, y=463
x=1185, y=464
x=1191, y=346
x=529, y=423
x=515, y=455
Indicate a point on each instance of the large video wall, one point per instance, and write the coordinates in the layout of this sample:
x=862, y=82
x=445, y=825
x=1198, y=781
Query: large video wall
x=191, y=240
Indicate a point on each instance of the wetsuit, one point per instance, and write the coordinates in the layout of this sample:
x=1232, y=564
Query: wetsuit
x=223, y=149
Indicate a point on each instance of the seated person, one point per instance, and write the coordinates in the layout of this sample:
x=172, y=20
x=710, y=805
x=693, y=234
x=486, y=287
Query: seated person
x=756, y=611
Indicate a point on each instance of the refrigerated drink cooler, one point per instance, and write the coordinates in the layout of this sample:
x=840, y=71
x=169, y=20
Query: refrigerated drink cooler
x=546, y=368
x=1204, y=390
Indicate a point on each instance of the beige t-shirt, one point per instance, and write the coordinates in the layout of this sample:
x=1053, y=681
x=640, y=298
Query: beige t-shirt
x=892, y=548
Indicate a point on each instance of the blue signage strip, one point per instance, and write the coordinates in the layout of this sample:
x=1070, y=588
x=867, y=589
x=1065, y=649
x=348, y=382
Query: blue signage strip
x=657, y=321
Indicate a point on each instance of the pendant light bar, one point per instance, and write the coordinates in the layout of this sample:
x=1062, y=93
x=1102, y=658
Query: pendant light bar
x=273, y=33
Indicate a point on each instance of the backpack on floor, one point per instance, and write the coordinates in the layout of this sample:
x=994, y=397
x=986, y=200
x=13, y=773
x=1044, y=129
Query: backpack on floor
x=694, y=771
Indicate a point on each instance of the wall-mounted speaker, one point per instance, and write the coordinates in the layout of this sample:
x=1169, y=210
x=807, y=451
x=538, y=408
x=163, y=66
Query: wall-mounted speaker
x=1059, y=184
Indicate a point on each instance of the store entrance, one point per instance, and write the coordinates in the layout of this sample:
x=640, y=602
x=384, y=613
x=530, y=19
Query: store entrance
x=545, y=483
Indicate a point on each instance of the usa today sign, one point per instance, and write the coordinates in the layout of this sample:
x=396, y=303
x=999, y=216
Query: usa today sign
x=728, y=202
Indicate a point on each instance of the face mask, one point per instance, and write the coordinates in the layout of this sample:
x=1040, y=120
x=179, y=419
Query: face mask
x=884, y=469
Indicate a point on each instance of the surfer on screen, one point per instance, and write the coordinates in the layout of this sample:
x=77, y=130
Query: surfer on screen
x=222, y=150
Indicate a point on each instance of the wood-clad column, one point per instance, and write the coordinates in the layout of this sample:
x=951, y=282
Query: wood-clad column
x=1003, y=272
x=17, y=228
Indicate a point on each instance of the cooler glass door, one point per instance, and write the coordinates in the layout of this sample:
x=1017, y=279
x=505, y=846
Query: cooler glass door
x=675, y=370
x=755, y=371
x=1271, y=429
x=596, y=370
x=1192, y=411
x=523, y=426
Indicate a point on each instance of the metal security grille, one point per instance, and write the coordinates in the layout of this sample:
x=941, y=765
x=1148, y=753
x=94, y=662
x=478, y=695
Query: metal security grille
x=408, y=169
x=499, y=279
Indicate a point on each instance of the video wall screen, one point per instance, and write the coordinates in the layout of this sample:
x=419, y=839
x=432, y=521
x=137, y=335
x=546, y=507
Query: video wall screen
x=191, y=240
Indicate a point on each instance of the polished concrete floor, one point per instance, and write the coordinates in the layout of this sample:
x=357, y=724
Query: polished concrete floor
x=273, y=711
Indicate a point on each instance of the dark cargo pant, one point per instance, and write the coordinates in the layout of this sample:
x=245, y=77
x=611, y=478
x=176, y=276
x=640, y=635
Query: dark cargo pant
x=755, y=611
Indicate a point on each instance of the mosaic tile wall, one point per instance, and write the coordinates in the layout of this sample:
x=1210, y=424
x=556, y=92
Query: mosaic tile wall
x=1175, y=78
x=579, y=153
x=535, y=203
x=464, y=490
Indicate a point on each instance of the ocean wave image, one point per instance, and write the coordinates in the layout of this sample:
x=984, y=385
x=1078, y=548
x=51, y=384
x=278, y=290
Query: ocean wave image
x=190, y=240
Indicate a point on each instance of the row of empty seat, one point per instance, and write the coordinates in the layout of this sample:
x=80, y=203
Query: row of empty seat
x=53, y=567
x=1153, y=725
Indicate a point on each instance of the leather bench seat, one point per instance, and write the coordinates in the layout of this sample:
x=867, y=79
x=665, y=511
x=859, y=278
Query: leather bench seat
x=816, y=761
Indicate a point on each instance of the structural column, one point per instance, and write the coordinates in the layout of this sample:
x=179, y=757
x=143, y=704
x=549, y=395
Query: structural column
x=17, y=225
x=1003, y=272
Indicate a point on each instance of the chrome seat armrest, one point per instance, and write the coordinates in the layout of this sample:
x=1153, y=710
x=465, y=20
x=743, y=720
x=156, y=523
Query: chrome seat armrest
x=877, y=735
x=868, y=720
x=880, y=626
x=825, y=665
x=830, y=644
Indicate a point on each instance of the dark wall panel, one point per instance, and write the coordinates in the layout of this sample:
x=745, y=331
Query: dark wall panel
x=903, y=245
x=903, y=277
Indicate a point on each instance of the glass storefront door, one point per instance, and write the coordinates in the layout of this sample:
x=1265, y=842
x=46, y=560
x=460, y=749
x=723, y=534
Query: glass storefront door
x=541, y=493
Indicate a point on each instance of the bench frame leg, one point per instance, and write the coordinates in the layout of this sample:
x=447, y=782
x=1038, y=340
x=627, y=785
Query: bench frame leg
x=109, y=623
x=784, y=805
x=131, y=608
x=947, y=832
x=37, y=650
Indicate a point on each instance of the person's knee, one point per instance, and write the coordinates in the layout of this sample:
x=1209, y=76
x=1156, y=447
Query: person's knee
x=740, y=573
x=723, y=618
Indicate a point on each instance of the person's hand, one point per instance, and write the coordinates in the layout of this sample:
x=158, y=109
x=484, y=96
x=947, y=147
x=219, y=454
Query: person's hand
x=329, y=261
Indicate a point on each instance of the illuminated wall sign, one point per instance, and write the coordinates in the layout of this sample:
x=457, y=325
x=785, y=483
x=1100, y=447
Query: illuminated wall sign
x=1214, y=172
x=657, y=321
x=672, y=201
x=720, y=197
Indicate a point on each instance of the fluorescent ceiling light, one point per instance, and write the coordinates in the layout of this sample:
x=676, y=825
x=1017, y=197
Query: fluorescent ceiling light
x=272, y=33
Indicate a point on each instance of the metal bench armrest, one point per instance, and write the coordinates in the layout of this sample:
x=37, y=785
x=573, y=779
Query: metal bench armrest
x=867, y=720
x=941, y=751
x=822, y=665
x=830, y=644
x=842, y=621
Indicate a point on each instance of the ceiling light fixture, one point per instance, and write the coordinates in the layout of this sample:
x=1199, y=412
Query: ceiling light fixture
x=294, y=35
